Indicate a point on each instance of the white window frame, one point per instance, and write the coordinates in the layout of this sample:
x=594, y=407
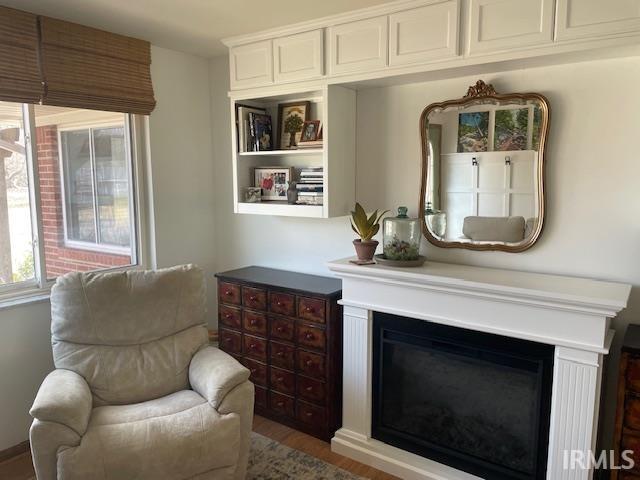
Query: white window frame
x=97, y=246
x=142, y=250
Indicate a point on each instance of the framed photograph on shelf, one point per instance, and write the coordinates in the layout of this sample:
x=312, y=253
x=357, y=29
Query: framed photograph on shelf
x=291, y=118
x=273, y=181
x=310, y=130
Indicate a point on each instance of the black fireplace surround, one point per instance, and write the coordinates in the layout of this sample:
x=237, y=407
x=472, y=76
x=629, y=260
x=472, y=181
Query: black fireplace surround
x=474, y=401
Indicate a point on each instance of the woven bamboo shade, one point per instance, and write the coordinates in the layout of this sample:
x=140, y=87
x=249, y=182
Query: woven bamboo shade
x=20, y=79
x=88, y=68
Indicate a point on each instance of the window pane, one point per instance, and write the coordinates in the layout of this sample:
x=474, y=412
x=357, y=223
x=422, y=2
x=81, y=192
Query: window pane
x=84, y=170
x=80, y=212
x=16, y=239
x=112, y=181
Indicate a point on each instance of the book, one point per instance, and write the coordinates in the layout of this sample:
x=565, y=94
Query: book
x=242, y=125
x=310, y=194
x=309, y=187
x=260, y=127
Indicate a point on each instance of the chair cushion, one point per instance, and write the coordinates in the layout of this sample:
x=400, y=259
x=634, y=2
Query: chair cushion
x=494, y=229
x=175, y=437
x=131, y=334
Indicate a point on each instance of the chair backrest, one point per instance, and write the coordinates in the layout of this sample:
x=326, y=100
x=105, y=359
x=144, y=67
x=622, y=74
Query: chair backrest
x=494, y=229
x=131, y=334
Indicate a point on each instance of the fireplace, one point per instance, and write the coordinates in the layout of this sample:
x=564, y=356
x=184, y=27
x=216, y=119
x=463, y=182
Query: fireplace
x=475, y=401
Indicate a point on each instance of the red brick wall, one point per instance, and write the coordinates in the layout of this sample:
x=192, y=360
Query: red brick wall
x=60, y=259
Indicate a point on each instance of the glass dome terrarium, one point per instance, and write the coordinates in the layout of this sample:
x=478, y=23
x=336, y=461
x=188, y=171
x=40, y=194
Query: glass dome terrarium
x=401, y=237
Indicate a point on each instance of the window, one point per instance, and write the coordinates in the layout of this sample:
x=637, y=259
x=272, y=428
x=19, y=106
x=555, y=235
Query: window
x=69, y=197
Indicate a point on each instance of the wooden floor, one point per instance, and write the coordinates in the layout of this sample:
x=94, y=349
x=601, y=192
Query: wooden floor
x=20, y=467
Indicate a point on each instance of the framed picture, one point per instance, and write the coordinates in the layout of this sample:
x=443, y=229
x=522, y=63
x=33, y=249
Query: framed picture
x=252, y=194
x=310, y=131
x=291, y=117
x=273, y=181
x=473, y=132
x=511, y=129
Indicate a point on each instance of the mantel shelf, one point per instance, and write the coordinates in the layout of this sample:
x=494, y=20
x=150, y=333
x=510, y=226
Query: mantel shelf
x=267, y=153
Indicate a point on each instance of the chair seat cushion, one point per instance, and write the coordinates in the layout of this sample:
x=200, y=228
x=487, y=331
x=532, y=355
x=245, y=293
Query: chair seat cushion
x=174, y=437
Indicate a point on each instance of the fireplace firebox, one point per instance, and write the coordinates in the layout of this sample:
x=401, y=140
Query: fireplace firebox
x=474, y=401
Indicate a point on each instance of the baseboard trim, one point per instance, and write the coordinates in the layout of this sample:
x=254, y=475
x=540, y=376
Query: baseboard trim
x=14, y=451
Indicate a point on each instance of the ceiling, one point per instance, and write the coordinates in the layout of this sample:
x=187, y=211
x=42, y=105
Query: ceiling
x=194, y=26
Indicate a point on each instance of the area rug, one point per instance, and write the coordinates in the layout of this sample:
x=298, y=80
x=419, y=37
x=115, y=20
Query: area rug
x=270, y=460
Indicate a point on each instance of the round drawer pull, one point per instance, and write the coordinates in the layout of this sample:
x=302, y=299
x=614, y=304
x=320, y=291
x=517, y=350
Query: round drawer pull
x=279, y=303
x=252, y=298
x=279, y=379
x=280, y=329
x=280, y=404
x=309, y=414
x=227, y=316
x=280, y=353
x=228, y=293
x=228, y=339
x=309, y=336
x=309, y=389
x=308, y=363
x=253, y=322
x=254, y=370
x=309, y=309
x=253, y=346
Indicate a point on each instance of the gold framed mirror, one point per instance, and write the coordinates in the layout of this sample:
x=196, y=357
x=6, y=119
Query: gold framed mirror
x=482, y=182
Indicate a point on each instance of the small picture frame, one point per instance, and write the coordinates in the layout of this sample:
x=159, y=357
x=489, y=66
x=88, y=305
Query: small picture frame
x=273, y=182
x=252, y=194
x=310, y=131
x=291, y=117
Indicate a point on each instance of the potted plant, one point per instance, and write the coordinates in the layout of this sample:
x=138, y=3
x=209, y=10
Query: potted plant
x=366, y=227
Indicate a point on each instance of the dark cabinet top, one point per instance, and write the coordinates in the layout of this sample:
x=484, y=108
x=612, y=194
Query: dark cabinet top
x=271, y=277
x=632, y=339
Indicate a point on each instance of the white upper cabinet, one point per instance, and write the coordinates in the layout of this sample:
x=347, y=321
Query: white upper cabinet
x=579, y=19
x=424, y=34
x=251, y=65
x=358, y=46
x=502, y=25
x=298, y=57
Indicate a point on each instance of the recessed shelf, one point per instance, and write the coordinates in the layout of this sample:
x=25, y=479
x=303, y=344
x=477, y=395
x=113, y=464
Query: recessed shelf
x=302, y=151
x=280, y=208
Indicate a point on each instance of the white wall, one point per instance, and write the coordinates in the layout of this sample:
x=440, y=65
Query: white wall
x=592, y=228
x=184, y=197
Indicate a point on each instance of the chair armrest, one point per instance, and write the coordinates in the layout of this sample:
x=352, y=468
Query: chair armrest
x=64, y=397
x=213, y=374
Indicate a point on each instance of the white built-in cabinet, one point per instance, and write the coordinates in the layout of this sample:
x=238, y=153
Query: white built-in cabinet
x=499, y=25
x=424, y=34
x=251, y=65
x=298, y=57
x=358, y=46
x=581, y=19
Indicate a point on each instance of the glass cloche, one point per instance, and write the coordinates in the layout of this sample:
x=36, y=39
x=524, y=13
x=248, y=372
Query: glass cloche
x=401, y=237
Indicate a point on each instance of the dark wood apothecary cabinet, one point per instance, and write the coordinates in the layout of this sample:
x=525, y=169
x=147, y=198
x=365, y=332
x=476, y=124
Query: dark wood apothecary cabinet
x=286, y=328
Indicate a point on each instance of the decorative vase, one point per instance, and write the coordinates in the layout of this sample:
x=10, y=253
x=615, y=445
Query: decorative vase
x=365, y=250
x=401, y=237
x=292, y=193
x=436, y=220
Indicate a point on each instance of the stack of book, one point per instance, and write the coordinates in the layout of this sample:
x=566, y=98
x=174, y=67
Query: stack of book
x=310, y=186
x=310, y=144
x=253, y=129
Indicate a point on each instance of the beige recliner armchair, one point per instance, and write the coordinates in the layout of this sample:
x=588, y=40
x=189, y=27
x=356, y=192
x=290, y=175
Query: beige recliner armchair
x=137, y=392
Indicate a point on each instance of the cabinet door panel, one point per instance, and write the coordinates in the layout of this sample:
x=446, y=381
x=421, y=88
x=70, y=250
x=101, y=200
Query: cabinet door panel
x=358, y=46
x=251, y=65
x=595, y=18
x=298, y=57
x=499, y=25
x=424, y=34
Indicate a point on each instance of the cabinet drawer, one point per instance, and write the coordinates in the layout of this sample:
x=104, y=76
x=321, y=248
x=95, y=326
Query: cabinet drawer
x=229, y=293
x=311, y=390
x=282, y=355
x=633, y=374
x=312, y=309
x=282, y=303
x=282, y=381
x=311, y=337
x=254, y=298
x=261, y=397
x=281, y=404
x=632, y=413
x=311, y=414
x=258, y=371
x=229, y=316
x=254, y=322
x=230, y=341
x=255, y=347
x=282, y=328
x=311, y=364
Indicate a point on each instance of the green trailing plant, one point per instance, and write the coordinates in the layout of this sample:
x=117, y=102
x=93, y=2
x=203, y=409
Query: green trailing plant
x=365, y=226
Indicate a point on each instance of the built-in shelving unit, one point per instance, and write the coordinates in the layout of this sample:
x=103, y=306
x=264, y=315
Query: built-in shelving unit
x=335, y=107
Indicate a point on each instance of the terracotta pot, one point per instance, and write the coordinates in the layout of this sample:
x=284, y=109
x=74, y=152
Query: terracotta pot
x=365, y=250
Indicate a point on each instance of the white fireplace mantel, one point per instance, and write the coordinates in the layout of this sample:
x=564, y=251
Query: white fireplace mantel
x=573, y=314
